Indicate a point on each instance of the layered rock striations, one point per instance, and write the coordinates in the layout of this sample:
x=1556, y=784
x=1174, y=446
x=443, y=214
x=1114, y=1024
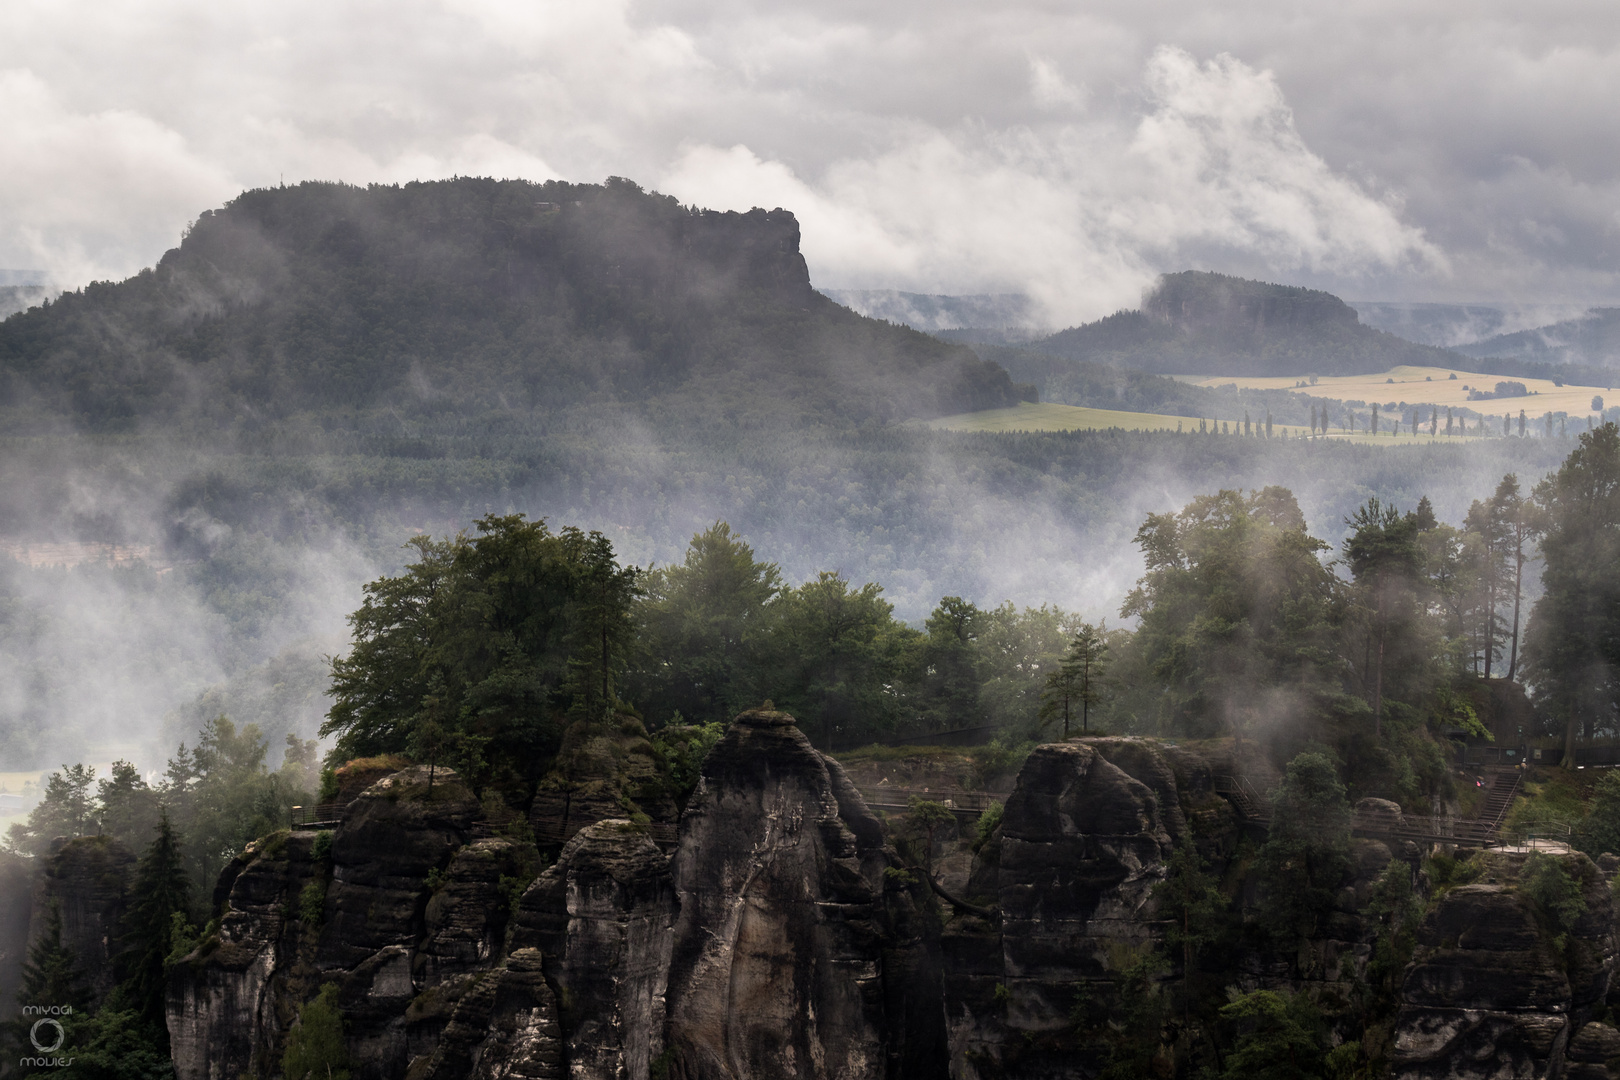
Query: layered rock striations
x=1497, y=989
x=602, y=918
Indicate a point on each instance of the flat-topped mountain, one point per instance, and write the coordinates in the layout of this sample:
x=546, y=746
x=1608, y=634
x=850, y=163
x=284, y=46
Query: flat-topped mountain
x=463, y=296
x=1198, y=323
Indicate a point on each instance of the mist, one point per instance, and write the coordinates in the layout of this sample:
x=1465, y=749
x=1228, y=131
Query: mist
x=238, y=615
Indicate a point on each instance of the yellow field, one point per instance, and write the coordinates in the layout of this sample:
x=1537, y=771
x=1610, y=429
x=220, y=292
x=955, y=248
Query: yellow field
x=1049, y=417
x=1026, y=416
x=12, y=782
x=1426, y=386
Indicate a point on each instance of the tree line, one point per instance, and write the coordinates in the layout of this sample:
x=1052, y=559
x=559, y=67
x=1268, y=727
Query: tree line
x=1245, y=625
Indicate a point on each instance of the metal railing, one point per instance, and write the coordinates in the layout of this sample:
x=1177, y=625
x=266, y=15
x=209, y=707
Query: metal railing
x=1243, y=796
x=1539, y=836
x=963, y=803
x=323, y=816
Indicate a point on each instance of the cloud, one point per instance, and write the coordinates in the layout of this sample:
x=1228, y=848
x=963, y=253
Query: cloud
x=90, y=195
x=1432, y=151
x=1083, y=214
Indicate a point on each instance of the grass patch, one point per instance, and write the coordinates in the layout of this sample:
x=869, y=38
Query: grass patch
x=1049, y=416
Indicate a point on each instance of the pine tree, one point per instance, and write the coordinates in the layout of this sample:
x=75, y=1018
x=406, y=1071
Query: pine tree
x=161, y=889
x=51, y=977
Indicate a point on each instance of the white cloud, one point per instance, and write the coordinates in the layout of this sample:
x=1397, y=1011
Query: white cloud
x=1347, y=145
x=89, y=195
x=1082, y=214
x=1049, y=88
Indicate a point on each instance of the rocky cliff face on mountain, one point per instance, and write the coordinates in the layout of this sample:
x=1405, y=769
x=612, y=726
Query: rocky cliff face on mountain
x=88, y=878
x=785, y=935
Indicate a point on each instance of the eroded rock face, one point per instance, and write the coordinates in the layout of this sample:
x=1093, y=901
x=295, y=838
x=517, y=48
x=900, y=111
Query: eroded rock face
x=602, y=917
x=230, y=1002
x=89, y=877
x=784, y=939
x=503, y=1028
x=357, y=916
x=778, y=967
x=1489, y=992
x=16, y=910
x=1081, y=845
x=465, y=920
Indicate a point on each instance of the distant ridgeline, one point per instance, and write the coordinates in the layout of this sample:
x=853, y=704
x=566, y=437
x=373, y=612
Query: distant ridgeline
x=462, y=296
x=1197, y=323
x=1592, y=339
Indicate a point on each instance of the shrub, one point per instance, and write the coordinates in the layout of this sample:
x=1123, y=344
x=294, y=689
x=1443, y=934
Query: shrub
x=312, y=903
x=1549, y=886
x=988, y=823
x=315, y=1047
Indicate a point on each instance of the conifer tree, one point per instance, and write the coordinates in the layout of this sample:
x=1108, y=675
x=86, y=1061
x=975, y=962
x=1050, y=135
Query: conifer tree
x=50, y=977
x=161, y=889
x=315, y=1046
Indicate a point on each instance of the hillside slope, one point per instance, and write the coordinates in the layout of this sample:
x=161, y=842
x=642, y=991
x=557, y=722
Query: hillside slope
x=463, y=296
x=1592, y=339
x=1197, y=323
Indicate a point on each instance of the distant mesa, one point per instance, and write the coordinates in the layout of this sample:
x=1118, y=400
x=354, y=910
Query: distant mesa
x=1200, y=323
x=464, y=298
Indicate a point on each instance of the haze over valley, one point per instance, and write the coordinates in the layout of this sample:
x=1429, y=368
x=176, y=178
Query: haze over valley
x=681, y=541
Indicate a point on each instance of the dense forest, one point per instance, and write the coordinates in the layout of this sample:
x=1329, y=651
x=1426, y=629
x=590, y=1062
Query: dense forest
x=529, y=658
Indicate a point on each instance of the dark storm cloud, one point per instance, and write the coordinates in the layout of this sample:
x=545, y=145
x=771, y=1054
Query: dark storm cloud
x=1404, y=151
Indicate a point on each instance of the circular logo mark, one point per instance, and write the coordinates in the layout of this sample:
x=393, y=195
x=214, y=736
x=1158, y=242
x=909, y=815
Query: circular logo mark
x=34, y=1035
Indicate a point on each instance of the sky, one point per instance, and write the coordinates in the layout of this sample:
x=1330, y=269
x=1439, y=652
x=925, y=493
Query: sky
x=1420, y=151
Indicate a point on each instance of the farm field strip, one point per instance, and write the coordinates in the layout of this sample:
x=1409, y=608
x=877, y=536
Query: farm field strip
x=1047, y=416
x=1425, y=386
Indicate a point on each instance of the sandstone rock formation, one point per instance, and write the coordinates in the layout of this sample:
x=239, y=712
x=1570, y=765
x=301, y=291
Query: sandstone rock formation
x=89, y=877
x=1493, y=991
x=779, y=967
x=784, y=937
x=602, y=918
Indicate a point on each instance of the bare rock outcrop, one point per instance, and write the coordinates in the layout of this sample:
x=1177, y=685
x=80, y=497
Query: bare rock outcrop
x=1082, y=843
x=602, y=917
x=89, y=878
x=779, y=966
x=354, y=913
x=231, y=1000
x=1493, y=992
x=503, y=1028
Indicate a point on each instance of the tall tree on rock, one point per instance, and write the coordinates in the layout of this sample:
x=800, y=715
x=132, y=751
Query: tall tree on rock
x=497, y=639
x=1384, y=556
x=1572, y=642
